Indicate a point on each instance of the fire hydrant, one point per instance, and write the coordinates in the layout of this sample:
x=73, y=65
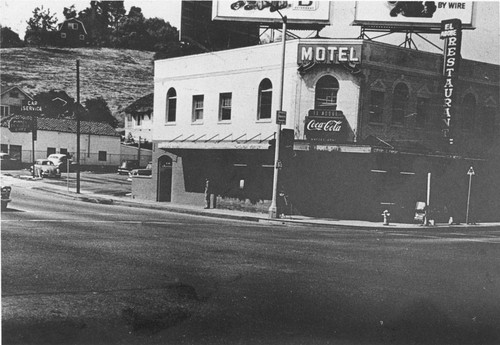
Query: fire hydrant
x=386, y=216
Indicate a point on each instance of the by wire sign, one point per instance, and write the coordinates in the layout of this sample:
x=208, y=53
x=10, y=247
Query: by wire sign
x=412, y=14
x=297, y=12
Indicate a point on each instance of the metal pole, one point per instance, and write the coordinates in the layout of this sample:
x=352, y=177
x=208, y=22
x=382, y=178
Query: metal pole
x=139, y=151
x=273, y=209
x=67, y=172
x=78, y=126
x=33, y=120
x=428, y=211
x=468, y=200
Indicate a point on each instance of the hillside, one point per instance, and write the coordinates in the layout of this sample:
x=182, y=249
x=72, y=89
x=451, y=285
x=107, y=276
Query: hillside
x=118, y=76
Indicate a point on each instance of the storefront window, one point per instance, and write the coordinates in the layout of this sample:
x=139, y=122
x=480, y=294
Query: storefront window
x=265, y=99
x=171, y=105
x=326, y=93
x=399, y=103
x=225, y=106
x=198, y=108
x=377, y=106
x=469, y=113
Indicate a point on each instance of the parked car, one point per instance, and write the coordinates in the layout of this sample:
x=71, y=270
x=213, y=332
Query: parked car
x=147, y=171
x=6, y=196
x=46, y=168
x=9, y=163
x=61, y=161
x=128, y=165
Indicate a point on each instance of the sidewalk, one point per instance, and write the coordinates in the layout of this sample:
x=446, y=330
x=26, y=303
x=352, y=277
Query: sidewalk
x=37, y=183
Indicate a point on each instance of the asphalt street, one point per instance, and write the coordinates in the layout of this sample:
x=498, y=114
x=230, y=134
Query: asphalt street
x=83, y=273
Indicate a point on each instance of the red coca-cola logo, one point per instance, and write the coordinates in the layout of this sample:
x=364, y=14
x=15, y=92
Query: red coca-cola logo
x=328, y=126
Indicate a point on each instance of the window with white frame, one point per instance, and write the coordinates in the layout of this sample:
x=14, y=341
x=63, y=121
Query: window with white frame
x=82, y=37
x=327, y=88
x=171, y=105
x=73, y=26
x=63, y=35
x=265, y=99
x=225, y=106
x=198, y=108
x=5, y=110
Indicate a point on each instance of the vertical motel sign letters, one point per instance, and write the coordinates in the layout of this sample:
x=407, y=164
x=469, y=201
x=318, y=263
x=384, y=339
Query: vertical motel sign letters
x=451, y=32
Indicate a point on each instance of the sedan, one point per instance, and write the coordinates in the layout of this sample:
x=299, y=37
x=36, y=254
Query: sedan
x=46, y=168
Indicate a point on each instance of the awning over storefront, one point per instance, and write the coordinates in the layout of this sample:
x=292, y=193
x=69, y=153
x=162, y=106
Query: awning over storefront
x=217, y=142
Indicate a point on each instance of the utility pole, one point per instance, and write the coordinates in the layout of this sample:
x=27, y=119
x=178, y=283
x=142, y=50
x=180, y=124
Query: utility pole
x=77, y=113
x=273, y=209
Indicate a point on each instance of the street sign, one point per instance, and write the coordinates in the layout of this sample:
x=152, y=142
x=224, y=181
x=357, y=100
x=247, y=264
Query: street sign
x=280, y=117
x=471, y=172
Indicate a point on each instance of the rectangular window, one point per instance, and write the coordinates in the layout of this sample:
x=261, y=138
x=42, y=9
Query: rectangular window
x=139, y=119
x=172, y=109
x=16, y=151
x=198, y=108
x=225, y=106
x=377, y=106
x=63, y=35
x=266, y=97
x=51, y=151
x=5, y=110
x=422, y=112
x=4, y=148
x=73, y=26
x=82, y=37
x=103, y=155
x=63, y=151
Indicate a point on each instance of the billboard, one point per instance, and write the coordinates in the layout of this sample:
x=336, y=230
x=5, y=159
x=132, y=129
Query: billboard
x=297, y=12
x=413, y=14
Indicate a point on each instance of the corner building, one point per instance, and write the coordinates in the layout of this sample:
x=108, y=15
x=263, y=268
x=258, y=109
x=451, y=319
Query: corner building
x=366, y=122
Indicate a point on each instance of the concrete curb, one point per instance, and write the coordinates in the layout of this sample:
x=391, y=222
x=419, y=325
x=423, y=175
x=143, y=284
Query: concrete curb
x=261, y=219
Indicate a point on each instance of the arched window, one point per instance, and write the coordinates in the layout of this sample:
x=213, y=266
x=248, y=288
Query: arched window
x=326, y=93
x=399, y=103
x=265, y=99
x=469, y=113
x=171, y=105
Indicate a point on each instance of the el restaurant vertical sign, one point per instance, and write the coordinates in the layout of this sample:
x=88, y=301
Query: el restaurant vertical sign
x=451, y=32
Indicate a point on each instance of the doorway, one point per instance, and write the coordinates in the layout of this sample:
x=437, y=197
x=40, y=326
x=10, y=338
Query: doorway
x=165, y=178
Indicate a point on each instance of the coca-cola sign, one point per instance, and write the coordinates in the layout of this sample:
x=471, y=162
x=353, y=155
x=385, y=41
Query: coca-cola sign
x=327, y=127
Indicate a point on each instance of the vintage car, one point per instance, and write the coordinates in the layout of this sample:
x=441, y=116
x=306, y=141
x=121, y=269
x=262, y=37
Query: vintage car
x=9, y=163
x=147, y=171
x=46, y=168
x=61, y=160
x=5, y=196
x=128, y=165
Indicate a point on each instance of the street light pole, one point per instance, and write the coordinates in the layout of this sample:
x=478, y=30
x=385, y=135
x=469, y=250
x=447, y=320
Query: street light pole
x=273, y=209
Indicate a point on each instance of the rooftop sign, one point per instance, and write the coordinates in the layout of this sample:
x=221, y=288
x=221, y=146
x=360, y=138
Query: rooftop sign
x=297, y=12
x=405, y=14
x=329, y=53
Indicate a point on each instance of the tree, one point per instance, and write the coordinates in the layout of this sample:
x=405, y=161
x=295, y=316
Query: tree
x=131, y=32
x=98, y=110
x=9, y=39
x=40, y=26
x=56, y=104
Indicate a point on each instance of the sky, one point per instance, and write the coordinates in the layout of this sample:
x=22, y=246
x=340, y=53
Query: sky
x=481, y=44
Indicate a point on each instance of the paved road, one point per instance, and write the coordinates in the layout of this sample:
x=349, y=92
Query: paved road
x=81, y=273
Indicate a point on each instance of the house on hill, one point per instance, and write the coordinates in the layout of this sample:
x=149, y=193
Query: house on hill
x=72, y=33
x=12, y=98
x=99, y=142
x=139, y=119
